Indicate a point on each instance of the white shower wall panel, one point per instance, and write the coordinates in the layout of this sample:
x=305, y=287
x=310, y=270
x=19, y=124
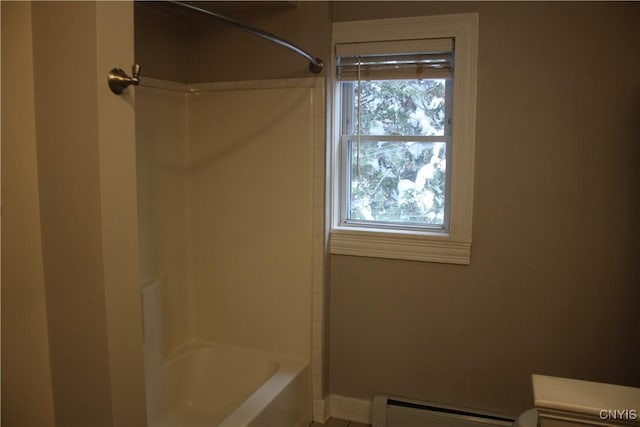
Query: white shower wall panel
x=163, y=204
x=251, y=186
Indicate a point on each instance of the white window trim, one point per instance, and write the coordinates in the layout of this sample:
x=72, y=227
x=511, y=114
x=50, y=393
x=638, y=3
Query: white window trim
x=453, y=246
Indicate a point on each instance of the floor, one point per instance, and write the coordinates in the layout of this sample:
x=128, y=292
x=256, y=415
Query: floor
x=334, y=422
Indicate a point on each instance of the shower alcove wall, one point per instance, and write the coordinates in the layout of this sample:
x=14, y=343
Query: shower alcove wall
x=231, y=207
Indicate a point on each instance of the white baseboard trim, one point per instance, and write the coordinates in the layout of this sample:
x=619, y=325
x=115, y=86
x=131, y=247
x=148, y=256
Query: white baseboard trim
x=348, y=408
x=320, y=410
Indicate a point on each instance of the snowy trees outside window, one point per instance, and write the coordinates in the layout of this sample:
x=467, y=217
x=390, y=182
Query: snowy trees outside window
x=397, y=132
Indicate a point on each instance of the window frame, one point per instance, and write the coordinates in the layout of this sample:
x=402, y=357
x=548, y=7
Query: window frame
x=446, y=246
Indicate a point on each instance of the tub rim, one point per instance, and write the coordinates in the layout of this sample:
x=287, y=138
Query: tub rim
x=288, y=369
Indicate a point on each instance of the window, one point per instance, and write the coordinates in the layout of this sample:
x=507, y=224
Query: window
x=403, y=138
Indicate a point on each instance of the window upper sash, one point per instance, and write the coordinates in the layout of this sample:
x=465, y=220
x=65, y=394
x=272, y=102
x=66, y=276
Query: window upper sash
x=406, y=59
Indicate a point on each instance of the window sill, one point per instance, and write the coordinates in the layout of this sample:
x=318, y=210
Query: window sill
x=405, y=245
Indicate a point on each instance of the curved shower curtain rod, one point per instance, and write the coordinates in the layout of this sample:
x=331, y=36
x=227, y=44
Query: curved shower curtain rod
x=315, y=64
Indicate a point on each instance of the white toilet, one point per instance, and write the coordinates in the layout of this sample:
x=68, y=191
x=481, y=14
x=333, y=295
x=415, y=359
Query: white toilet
x=568, y=402
x=527, y=419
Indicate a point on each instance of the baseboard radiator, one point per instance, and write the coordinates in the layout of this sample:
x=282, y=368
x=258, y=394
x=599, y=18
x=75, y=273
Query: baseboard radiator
x=391, y=411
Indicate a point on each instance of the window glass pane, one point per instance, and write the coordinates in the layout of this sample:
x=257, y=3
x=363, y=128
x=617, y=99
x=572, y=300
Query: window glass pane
x=397, y=182
x=400, y=107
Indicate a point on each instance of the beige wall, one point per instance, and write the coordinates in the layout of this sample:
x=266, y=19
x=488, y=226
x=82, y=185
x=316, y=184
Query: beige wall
x=27, y=395
x=159, y=42
x=68, y=166
x=79, y=219
x=118, y=198
x=179, y=45
x=210, y=58
x=552, y=285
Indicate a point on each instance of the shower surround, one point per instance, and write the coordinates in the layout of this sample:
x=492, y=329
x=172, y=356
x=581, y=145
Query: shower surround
x=231, y=206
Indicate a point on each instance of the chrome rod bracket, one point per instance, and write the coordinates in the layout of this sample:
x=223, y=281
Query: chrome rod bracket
x=317, y=66
x=119, y=80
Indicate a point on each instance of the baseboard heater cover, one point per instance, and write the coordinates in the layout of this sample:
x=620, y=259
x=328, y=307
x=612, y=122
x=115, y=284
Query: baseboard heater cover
x=391, y=411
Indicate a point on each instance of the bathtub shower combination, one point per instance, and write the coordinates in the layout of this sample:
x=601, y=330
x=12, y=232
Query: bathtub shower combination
x=206, y=384
x=231, y=237
x=230, y=386
x=230, y=224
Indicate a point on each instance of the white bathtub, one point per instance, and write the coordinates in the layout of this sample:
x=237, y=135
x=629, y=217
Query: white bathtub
x=208, y=385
